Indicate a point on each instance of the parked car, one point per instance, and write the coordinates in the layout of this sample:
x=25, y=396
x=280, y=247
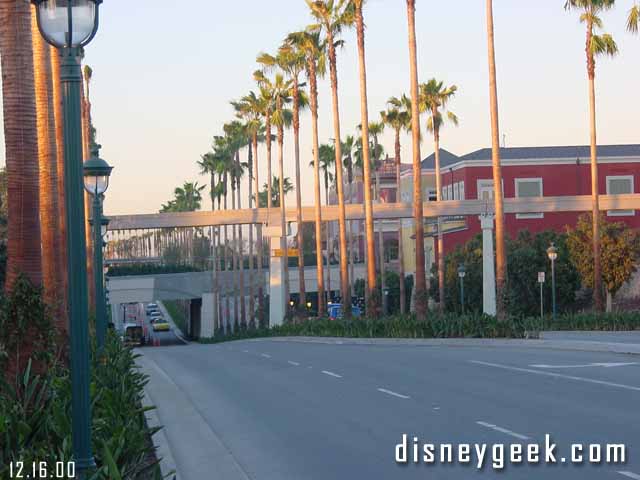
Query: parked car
x=151, y=307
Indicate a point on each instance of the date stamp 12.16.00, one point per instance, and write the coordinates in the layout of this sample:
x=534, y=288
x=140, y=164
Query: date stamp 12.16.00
x=42, y=470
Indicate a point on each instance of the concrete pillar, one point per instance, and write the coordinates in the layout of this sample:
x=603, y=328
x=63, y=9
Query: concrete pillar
x=488, y=266
x=277, y=302
x=116, y=316
x=207, y=315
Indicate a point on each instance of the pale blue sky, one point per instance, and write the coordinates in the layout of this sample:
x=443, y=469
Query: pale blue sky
x=164, y=72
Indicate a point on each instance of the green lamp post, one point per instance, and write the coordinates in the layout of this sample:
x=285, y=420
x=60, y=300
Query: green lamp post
x=96, y=183
x=69, y=25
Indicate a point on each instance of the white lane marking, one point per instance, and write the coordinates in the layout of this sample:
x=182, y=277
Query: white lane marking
x=558, y=375
x=265, y=355
x=295, y=364
x=436, y=408
x=630, y=475
x=605, y=365
x=245, y=351
x=389, y=392
x=331, y=374
x=503, y=430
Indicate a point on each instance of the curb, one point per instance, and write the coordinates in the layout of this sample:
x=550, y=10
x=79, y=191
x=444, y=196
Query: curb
x=569, y=345
x=178, y=333
x=160, y=442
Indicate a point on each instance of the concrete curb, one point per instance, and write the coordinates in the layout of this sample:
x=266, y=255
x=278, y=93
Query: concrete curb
x=159, y=439
x=571, y=345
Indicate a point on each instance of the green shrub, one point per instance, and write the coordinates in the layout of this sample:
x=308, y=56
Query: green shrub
x=150, y=269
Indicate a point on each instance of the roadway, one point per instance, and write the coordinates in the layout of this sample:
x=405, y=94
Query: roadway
x=286, y=410
x=137, y=314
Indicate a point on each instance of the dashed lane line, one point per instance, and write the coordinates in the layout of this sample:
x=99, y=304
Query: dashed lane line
x=295, y=364
x=394, y=394
x=635, y=476
x=265, y=355
x=503, y=430
x=331, y=374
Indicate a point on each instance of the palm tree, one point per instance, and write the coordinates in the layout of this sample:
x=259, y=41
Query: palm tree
x=633, y=20
x=314, y=50
x=48, y=168
x=253, y=108
x=434, y=97
x=59, y=138
x=420, y=281
x=501, y=255
x=292, y=62
x=374, y=304
x=326, y=158
x=332, y=16
x=21, y=146
x=347, y=151
x=275, y=192
x=398, y=117
x=596, y=45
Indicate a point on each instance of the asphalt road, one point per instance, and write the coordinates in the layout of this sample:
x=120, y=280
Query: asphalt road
x=137, y=314
x=288, y=410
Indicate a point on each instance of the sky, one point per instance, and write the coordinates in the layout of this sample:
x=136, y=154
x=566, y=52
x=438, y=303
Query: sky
x=165, y=72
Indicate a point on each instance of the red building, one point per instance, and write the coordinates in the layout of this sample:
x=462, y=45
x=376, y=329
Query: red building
x=535, y=172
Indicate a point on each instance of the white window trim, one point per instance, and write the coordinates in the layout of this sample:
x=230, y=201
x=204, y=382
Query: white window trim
x=528, y=216
x=621, y=213
x=485, y=183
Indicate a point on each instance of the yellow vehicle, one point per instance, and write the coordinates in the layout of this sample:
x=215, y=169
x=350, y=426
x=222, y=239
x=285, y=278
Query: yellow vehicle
x=160, y=325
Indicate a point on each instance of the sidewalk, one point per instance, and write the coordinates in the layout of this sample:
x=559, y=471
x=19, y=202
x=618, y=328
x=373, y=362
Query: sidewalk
x=579, y=341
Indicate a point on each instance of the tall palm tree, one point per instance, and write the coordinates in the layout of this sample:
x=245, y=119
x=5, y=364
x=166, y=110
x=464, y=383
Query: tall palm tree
x=374, y=305
x=59, y=138
x=314, y=49
x=21, y=145
x=398, y=117
x=420, y=280
x=633, y=20
x=292, y=62
x=275, y=192
x=86, y=153
x=596, y=45
x=48, y=167
x=326, y=159
x=332, y=17
x=348, y=147
x=434, y=97
x=501, y=255
x=253, y=108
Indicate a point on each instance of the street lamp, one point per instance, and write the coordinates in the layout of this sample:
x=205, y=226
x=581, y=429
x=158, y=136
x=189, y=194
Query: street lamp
x=552, y=253
x=96, y=183
x=462, y=272
x=70, y=25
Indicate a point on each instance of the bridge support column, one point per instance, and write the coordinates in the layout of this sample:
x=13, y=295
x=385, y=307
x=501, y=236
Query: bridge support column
x=277, y=302
x=208, y=314
x=488, y=266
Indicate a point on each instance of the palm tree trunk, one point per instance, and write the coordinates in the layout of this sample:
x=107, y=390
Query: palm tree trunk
x=595, y=193
x=328, y=235
x=234, y=260
x=501, y=257
x=267, y=123
x=86, y=154
x=48, y=169
x=62, y=216
x=296, y=138
x=342, y=222
x=313, y=89
x=259, y=256
x=227, y=263
x=383, y=283
x=252, y=304
x=243, y=305
x=373, y=304
x=403, y=300
x=283, y=220
x=436, y=139
x=21, y=146
x=420, y=280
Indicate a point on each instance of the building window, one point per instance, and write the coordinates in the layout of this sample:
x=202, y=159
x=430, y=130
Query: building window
x=485, y=189
x=450, y=192
x=620, y=185
x=529, y=188
x=432, y=195
x=456, y=191
x=462, y=197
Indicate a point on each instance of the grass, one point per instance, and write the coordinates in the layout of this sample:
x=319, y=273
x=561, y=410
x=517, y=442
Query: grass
x=177, y=314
